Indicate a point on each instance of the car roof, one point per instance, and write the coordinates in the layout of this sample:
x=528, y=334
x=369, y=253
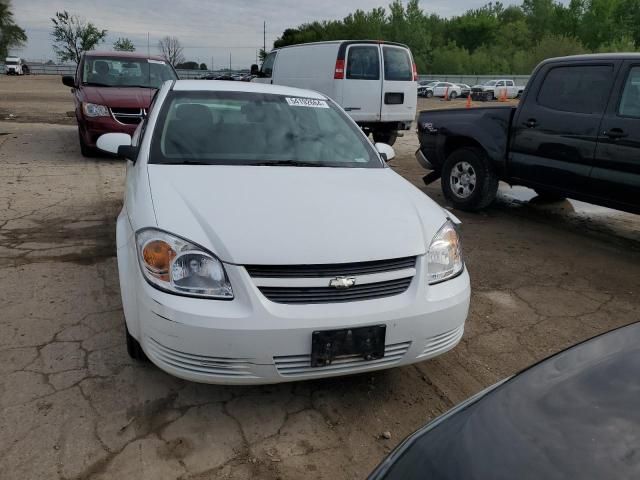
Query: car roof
x=251, y=87
x=122, y=55
x=340, y=42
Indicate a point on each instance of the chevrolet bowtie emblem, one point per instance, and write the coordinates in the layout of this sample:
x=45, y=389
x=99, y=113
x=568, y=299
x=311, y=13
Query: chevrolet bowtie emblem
x=342, y=282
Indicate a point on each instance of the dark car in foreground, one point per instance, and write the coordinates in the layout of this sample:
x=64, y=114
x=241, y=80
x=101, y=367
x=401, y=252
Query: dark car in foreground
x=112, y=92
x=575, y=133
x=572, y=416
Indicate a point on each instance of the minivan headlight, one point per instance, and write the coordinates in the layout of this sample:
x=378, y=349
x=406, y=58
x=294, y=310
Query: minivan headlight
x=444, y=257
x=94, y=110
x=178, y=266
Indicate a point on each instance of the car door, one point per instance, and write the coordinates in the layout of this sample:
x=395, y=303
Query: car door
x=555, y=131
x=362, y=86
x=266, y=72
x=616, y=167
x=399, y=97
x=511, y=89
x=499, y=89
x=438, y=89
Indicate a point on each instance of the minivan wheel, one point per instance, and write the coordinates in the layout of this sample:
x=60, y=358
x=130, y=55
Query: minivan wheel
x=85, y=149
x=385, y=136
x=468, y=181
x=134, y=349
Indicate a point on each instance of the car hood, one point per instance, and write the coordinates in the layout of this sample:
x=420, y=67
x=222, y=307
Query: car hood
x=125, y=97
x=294, y=215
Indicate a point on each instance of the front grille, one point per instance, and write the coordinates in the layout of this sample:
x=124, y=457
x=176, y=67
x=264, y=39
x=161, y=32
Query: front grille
x=128, y=116
x=331, y=270
x=306, y=295
x=291, y=365
x=199, y=364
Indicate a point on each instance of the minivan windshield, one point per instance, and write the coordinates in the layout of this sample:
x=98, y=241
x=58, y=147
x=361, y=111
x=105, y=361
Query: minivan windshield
x=248, y=128
x=126, y=72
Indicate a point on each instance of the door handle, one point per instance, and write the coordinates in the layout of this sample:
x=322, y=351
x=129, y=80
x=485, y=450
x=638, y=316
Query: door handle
x=615, y=133
x=531, y=123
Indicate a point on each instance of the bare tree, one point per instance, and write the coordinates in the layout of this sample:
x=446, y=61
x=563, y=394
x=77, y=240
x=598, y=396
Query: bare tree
x=171, y=50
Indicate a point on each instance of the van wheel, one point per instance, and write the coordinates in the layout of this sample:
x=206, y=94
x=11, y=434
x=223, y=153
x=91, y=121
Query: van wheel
x=85, y=149
x=549, y=196
x=468, y=181
x=429, y=94
x=134, y=349
x=385, y=136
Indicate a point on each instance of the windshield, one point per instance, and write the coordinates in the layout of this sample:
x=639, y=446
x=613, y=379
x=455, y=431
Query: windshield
x=242, y=128
x=126, y=72
x=490, y=83
x=11, y=62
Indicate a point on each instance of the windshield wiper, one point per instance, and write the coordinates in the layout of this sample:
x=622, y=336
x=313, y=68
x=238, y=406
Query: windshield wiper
x=97, y=84
x=288, y=163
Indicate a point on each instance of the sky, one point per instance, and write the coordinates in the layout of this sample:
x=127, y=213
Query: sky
x=208, y=29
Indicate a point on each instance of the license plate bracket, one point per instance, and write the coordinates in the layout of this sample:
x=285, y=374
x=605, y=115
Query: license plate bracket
x=367, y=342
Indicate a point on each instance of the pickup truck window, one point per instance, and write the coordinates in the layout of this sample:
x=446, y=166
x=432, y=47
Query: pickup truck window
x=509, y=83
x=363, y=63
x=578, y=89
x=630, y=102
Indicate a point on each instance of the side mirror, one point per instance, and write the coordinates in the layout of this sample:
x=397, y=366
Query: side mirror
x=118, y=144
x=386, y=151
x=69, y=81
x=255, y=69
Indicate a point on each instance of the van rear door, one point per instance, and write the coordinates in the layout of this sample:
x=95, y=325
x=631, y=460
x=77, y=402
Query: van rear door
x=399, y=88
x=361, y=84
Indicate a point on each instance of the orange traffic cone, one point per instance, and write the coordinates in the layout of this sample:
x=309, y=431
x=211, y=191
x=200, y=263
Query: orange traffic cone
x=446, y=95
x=503, y=95
x=469, y=101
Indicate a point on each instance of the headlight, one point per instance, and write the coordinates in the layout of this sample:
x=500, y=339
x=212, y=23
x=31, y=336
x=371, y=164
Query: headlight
x=444, y=258
x=178, y=266
x=93, y=110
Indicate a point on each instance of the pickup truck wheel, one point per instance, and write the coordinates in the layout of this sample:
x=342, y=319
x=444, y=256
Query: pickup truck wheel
x=468, y=181
x=492, y=96
x=385, y=136
x=134, y=349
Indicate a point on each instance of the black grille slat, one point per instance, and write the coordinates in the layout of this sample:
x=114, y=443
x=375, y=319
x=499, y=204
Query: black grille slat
x=331, y=270
x=332, y=295
x=128, y=116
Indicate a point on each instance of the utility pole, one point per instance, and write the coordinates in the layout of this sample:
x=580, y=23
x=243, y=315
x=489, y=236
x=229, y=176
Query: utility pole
x=211, y=66
x=229, y=60
x=148, y=47
x=264, y=36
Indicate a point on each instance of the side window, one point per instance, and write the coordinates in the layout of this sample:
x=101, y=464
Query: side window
x=509, y=83
x=578, y=89
x=441, y=84
x=500, y=84
x=397, y=64
x=267, y=66
x=630, y=101
x=363, y=63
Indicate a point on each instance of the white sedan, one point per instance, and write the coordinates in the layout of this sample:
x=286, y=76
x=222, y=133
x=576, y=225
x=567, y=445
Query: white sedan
x=264, y=239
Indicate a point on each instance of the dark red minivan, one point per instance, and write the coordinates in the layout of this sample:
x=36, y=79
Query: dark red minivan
x=112, y=92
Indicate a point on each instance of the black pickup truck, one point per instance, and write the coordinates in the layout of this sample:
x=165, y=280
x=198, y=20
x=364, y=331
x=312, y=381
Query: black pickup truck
x=575, y=133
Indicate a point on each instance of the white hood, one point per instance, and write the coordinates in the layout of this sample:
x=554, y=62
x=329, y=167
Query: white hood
x=294, y=215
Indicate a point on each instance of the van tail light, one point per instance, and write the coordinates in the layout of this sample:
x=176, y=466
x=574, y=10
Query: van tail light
x=339, y=72
x=415, y=73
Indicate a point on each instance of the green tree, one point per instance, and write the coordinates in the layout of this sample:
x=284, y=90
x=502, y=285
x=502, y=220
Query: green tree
x=72, y=36
x=11, y=35
x=123, y=45
x=203, y=66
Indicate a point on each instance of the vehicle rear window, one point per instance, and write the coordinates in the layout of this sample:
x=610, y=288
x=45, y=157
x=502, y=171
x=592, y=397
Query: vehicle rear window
x=397, y=64
x=630, y=101
x=248, y=128
x=363, y=63
x=578, y=89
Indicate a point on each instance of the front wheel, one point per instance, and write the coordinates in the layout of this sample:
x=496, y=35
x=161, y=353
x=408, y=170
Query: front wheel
x=134, y=349
x=428, y=94
x=85, y=149
x=453, y=95
x=385, y=136
x=468, y=181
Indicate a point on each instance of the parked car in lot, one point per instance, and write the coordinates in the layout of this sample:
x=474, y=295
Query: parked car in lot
x=112, y=92
x=15, y=66
x=494, y=89
x=374, y=81
x=575, y=133
x=263, y=239
x=571, y=416
x=465, y=90
x=425, y=88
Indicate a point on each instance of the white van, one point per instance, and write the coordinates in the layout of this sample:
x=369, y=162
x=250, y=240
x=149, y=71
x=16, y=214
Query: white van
x=15, y=66
x=375, y=82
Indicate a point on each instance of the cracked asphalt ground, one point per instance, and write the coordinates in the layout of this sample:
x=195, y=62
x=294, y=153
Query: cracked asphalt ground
x=74, y=406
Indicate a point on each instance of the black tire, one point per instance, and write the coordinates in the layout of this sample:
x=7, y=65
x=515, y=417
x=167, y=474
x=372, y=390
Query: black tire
x=134, y=349
x=85, y=149
x=478, y=188
x=429, y=94
x=453, y=95
x=385, y=136
x=549, y=196
x=491, y=96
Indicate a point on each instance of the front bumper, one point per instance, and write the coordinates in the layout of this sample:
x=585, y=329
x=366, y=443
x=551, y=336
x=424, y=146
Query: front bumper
x=92, y=128
x=251, y=340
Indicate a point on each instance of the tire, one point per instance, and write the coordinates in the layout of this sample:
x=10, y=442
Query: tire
x=453, y=95
x=429, y=94
x=549, y=196
x=491, y=96
x=385, y=136
x=468, y=181
x=134, y=349
x=85, y=149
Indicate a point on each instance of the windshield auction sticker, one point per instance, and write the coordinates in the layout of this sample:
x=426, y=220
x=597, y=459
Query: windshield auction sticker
x=151, y=60
x=306, y=102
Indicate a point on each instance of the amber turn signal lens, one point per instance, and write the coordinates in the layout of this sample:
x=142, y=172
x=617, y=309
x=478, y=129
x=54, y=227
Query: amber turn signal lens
x=157, y=256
